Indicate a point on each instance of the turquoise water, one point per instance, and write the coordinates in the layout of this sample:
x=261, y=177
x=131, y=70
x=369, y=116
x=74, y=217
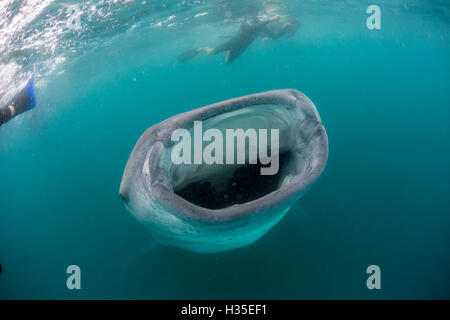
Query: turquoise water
x=382, y=95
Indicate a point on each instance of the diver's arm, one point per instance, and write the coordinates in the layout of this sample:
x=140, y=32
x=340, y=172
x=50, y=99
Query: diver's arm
x=275, y=33
x=206, y=50
x=21, y=102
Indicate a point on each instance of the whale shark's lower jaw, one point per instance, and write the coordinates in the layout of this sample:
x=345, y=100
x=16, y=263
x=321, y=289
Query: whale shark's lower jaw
x=217, y=207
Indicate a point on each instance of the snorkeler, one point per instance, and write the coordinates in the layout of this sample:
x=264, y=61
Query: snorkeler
x=21, y=102
x=274, y=27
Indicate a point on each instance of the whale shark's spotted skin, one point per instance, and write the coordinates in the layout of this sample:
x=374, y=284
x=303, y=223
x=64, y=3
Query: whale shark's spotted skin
x=183, y=205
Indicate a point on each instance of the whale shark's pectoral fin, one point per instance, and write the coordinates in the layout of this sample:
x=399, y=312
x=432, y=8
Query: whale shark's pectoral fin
x=138, y=256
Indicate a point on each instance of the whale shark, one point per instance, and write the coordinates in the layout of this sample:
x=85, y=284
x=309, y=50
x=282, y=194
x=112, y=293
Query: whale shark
x=212, y=207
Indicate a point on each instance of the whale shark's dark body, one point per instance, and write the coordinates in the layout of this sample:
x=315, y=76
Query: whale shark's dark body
x=165, y=197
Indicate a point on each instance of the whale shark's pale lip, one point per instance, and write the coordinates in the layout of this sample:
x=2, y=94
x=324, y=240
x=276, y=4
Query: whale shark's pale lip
x=150, y=182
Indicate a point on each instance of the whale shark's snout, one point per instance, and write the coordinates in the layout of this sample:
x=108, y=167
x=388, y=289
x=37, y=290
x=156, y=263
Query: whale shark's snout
x=181, y=182
x=123, y=192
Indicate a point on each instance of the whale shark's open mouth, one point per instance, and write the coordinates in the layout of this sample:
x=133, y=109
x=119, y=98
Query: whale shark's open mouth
x=243, y=185
x=217, y=186
x=211, y=206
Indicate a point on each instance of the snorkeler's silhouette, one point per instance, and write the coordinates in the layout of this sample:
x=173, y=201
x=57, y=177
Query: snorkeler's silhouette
x=21, y=102
x=274, y=27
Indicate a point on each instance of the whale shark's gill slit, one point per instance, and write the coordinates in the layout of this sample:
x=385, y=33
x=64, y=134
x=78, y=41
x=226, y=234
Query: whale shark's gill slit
x=244, y=185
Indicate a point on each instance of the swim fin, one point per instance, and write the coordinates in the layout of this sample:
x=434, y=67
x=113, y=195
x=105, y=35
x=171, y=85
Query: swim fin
x=23, y=101
x=188, y=55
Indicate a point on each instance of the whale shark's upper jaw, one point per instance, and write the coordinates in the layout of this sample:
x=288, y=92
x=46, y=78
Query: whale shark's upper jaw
x=165, y=196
